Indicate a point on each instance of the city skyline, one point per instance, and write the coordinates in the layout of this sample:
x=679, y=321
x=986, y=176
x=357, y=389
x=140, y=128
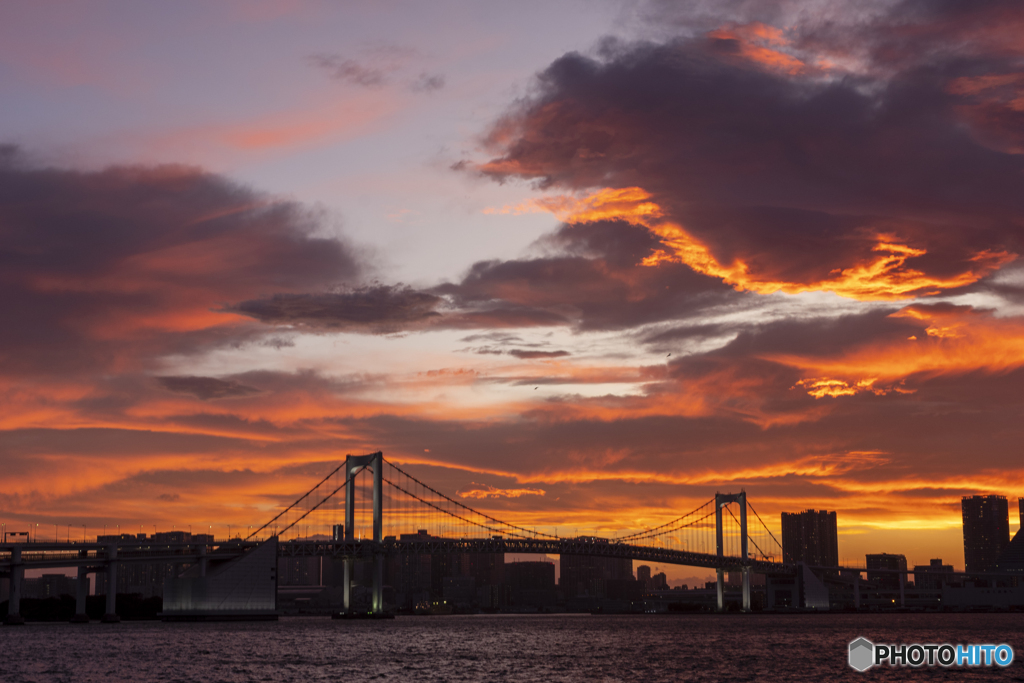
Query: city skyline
x=581, y=264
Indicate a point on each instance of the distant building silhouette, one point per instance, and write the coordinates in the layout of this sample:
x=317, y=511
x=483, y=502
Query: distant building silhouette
x=811, y=537
x=532, y=584
x=588, y=575
x=643, y=575
x=49, y=586
x=986, y=531
x=889, y=562
x=932, y=575
x=465, y=578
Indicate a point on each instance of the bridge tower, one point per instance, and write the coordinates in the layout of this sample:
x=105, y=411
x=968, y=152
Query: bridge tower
x=721, y=500
x=375, y=463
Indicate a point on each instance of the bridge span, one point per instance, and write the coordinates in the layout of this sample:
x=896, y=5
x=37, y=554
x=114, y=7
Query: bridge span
x=371, y=493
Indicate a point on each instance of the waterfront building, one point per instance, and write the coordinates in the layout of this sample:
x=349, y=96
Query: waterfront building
x=932, y=575
x=986, y=527
x=891, y=563
x=146, y=578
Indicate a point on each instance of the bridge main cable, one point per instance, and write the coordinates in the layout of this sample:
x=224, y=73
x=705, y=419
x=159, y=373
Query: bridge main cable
x=301, y=498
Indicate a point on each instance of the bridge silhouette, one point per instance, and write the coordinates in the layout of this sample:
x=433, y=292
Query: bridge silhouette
x=369, y=508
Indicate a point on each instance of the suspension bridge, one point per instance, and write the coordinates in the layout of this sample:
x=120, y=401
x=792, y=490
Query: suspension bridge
x=369, y=508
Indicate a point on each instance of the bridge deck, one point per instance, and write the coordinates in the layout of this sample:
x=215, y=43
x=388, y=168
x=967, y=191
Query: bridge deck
x=89, y=554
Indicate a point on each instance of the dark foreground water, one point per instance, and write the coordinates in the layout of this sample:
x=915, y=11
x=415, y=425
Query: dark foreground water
x=499, y=648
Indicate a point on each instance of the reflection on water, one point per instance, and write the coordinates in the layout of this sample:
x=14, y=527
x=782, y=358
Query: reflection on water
x=509, y=648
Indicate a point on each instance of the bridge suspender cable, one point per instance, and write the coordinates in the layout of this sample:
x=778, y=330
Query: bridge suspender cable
x=763, y=524
x=641, y=535
x=648, y=532
x=465, y=507
x=468, y=521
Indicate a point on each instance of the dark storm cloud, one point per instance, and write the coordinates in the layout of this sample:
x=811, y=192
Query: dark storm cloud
x=120, y=265
x=206, y=387
x=379, y=308
x=792, y=168
x=593, y=281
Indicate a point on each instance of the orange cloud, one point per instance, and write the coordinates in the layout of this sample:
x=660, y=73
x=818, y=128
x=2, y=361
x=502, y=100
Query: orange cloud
x=492, y=492
x=957, y=340
x=758, y=44
x=883, y=277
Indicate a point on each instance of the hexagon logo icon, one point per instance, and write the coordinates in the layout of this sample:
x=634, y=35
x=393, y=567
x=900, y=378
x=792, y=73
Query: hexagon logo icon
x=862, y=654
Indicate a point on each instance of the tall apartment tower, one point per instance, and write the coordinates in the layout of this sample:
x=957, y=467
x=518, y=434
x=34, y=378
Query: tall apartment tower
x=986, y=531
x=810, y=536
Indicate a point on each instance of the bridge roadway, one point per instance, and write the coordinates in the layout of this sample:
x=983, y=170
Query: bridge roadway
x=53, y=555
x=553, y=546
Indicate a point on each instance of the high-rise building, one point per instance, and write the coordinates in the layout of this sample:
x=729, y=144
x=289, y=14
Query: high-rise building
x=811, y=537
x=986, y=531
x=889, y=562
x=1012, y=557
x=643, y=575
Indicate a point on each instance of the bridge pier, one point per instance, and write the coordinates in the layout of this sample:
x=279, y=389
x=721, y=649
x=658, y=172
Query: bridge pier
x=81, y=592
x=746, y=589
x=347, y=585
x=14, y=617
x=721, y=500
x=110, y=614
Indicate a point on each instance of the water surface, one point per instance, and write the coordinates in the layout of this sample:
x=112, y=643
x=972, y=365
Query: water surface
x=757, y=647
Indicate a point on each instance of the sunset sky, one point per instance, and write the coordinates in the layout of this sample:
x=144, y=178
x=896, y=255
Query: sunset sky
x=581, y=263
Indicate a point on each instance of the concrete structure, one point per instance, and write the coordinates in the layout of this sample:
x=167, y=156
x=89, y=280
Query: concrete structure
x=721, y=500
x=972, y=597
x=353, y=464
x=811, y=537
x=986, y=526
x=804, y=591
x=242, y=588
